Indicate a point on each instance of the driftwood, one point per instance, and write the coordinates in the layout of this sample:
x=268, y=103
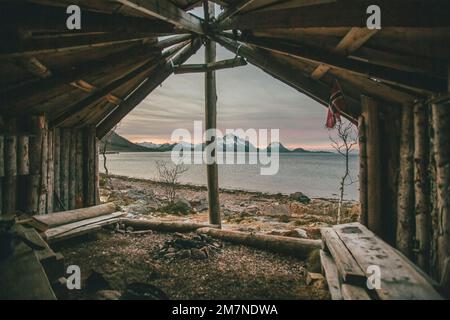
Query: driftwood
x=164, y=226
x=291, y=246
x=48, y=221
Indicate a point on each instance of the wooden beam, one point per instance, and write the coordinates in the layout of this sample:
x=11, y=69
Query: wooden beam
x=283, y=71
x=156, y=77
x=371, y=118
x=212, y=170
x=168, y=42
x=25, y=97
x=233, y=10
x=352, y=41
x=392, y=76
x=165, y=10
x=67, y=44
x=411, y=14
x=214, y=66
x=36, y=18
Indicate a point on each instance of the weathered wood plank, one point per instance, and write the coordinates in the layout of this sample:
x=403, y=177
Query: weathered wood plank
x=63, y=229
x=348, y=268
x=350, y=292
x=53, y=220
x=399, y=280
x=329, y=269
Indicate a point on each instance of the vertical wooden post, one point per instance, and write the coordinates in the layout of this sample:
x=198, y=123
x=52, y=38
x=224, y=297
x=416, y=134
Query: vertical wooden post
x=42, y=209
x=362, y=139
x=210, y=121
x=64, y=168
x=91, y=167
x=50, y=171
x=10, y=180
x=405, y=202
x=23, y=160
x=72, y=168
x=441, y=153
x=2, y=161
x=370, y=114
x=57, y=174
x=37, y=124
x=421, y=185
x=79, y=170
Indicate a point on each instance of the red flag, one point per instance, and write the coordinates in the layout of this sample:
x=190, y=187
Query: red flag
x=337, y=104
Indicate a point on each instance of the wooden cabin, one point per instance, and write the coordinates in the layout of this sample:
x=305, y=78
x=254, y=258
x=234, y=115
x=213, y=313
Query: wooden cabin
x=62, y=90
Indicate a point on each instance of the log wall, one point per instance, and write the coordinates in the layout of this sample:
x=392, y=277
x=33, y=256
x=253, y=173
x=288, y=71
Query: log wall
x=405, y=180
x=45, y=170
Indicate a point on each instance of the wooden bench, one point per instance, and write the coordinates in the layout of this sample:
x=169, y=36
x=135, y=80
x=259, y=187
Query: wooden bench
x=350, y=251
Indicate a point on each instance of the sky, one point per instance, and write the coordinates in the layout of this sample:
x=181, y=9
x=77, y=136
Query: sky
x=247, y=98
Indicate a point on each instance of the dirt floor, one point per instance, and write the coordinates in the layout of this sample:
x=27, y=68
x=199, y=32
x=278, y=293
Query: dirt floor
x=232, y=272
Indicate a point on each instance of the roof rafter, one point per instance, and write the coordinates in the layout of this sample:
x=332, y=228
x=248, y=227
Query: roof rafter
x=345, y=14
x=410, y=80
x=165, y=10
x=154, y=79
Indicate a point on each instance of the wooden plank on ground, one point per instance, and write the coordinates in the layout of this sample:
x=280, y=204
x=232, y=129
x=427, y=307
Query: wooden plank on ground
x=22, y=277
x=59, y=231
x=91, y=228
x=349, y=269
x=331, y=273
x=399, y=280
x=350, y=292
x=44, y=222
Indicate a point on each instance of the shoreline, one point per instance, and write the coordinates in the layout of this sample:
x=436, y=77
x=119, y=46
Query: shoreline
x=293, y=215
x=198, y=187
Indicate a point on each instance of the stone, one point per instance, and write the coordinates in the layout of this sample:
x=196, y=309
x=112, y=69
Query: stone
x=179, y=206
x=312, y=278
x=300, y=197
x=198, y=254
x=129, y=229
x=183, y=254
x=276, y=210
x=302, y=233
x=107, y=295
x=96, y=282
x=252, y=209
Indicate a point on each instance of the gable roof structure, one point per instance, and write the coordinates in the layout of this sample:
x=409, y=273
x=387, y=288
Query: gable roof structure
x=97, y=75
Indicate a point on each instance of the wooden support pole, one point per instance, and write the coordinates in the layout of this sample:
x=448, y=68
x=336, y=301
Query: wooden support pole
x=79, y=199
x=362, y=139
x=64, y=168
x=50, y=171
x=210, y=123
x=57, y=172
x=405, y=202
x=37, y=124
x=2, y=161
x=23, y=161
x=72, y=170
x=441, y=152
x=91, y=167
x=10, y=179
x=42, y=209
x=422, y=184
x=370, y=114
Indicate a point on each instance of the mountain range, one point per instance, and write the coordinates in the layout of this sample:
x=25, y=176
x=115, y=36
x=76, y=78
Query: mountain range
x=117, y=143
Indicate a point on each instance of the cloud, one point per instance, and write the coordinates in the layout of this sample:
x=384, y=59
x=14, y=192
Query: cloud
x=247, y=98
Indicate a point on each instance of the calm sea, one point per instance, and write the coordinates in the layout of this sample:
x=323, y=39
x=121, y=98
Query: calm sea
x=316, y=175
